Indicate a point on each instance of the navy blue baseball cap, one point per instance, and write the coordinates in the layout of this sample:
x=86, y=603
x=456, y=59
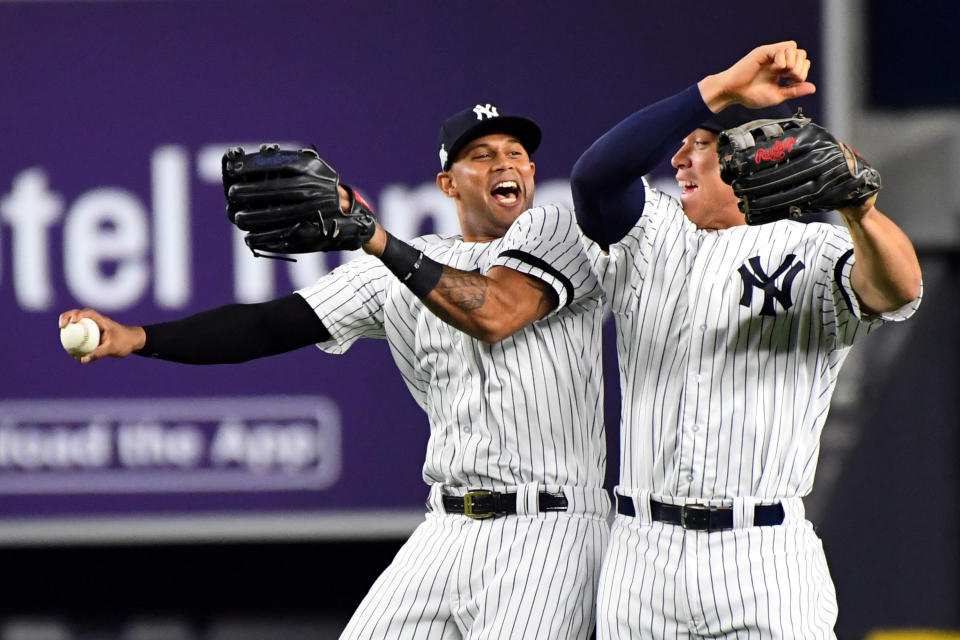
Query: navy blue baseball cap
x=480, y=120
x=737, y=114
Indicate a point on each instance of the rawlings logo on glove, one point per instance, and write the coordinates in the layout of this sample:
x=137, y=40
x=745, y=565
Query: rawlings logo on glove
x=289, y=202
x=792, y=168
x=776, y=153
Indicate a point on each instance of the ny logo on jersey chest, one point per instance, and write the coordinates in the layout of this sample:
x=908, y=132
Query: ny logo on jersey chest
x=753, y=275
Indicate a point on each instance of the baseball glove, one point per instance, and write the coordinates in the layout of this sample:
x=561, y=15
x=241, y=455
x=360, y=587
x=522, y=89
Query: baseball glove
x=792, y=168
x=288, y=202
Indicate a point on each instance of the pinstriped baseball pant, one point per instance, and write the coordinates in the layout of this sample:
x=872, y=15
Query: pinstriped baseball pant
x=660, y=581
x=514, y=577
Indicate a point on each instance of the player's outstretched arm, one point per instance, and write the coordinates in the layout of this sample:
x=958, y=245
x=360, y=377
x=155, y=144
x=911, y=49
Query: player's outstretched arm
x=486, y=307
x=767, y=76
x=886, y=274
x=224, y=335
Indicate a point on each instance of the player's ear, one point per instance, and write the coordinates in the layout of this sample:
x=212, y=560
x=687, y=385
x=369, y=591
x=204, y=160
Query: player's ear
x=446, y=184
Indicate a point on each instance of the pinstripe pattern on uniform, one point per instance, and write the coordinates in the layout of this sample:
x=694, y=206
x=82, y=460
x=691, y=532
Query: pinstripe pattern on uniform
x=517, y=411
x=518, y=577
x=522, y=415
x=719, y=400
x=729, y=345
x=660, y=581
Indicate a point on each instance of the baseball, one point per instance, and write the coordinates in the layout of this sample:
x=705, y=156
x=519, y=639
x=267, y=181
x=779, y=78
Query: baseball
x=80, y=338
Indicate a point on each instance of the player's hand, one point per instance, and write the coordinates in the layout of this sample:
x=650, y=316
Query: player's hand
x=376, y=244
x=856, y=213
x=116, y=340
x=768, y=75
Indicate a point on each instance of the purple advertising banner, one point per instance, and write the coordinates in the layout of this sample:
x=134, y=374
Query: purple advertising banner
x=114, y=120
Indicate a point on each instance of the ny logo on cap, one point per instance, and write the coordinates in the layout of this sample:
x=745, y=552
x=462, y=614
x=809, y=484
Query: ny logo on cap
x=486, y=110
x=443, y=155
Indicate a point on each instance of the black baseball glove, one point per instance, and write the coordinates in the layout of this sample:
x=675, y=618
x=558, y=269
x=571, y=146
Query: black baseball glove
x=288, y=202
x=792, y=168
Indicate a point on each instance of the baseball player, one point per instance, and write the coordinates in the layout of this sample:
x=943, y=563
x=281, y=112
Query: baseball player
x=730, y=338
x=496, y=334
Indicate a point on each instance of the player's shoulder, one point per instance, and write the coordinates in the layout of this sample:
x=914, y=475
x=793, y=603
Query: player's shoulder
x=430, y=240
x=810, y=231
x=661, y=219
x=553, y=210
x=544, y=218
x=452, y=249
x=825, y=228
x=660, y=196
x=811, y=239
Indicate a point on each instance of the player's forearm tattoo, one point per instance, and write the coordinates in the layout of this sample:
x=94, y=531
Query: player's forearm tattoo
x=548, y=297
x=468, y=291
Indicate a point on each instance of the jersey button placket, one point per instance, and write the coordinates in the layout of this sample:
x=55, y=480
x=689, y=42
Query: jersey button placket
x=694, y=442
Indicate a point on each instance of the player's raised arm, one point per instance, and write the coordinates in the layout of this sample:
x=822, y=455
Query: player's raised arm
x=488, y=306
x=606, y=181
x=886, y=274
x=767, y=76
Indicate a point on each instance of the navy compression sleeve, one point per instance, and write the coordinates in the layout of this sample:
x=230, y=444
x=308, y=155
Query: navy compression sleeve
x=236, y=332
x=608, y=193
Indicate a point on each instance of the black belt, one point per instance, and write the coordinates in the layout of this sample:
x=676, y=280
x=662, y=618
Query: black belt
x=701, y=517
x=489, y=504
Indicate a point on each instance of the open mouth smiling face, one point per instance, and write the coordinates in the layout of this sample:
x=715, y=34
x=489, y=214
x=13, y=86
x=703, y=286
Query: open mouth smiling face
x=506, y=192
x=492, y=179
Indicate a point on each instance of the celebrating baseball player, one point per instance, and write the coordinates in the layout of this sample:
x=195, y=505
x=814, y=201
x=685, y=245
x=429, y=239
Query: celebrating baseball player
x=733, y=322
x=496, y=333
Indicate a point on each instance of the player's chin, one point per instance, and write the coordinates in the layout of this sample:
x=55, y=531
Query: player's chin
x=689, y=201
x=694, y=211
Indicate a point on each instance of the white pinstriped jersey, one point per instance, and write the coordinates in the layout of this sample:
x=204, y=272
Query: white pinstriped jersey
x=523, y=410
x=729, y=345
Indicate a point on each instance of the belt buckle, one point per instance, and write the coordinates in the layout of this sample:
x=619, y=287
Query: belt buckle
x=468, y=499
x=695, y=516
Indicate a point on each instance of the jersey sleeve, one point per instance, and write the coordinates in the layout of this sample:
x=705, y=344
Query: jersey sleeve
x=545, y=242
x=622, y=268
x=349, y=301
x=841, y=309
